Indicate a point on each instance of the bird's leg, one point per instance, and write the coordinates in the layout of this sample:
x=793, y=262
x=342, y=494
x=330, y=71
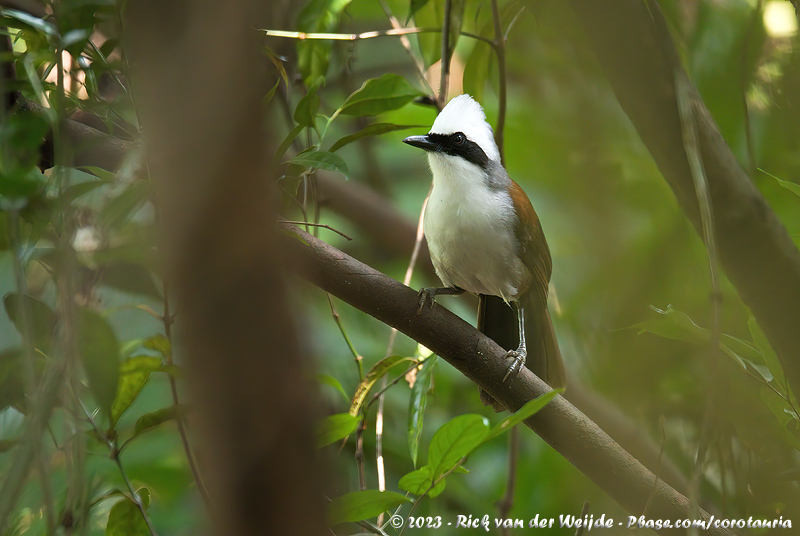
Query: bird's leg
x=428, y=295
x=521, y=353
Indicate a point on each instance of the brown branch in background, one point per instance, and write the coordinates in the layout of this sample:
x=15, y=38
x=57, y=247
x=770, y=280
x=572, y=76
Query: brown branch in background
x=479, y=358
x=246, y=371
x=756, y=252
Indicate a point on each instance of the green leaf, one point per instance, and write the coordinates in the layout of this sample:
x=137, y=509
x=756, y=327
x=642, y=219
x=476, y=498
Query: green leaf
x=415, y=6
x=321, y=160
x=99, y=351
x=330, y=380
x=791, y=186
x=770, y=357
x=313, y=54
x=377, y=371
x=371, y=130
x=307, y=108
x=148, y=421
x=160, y=344
x=361, y=505
x=419, y=482
x=477, y=70
x=378, y=95
x=125, y=519
x=271, y=93
x=529, y=409
x=335, y=427
x=19, y=19
x=431, y=15
x=133, y=375
x=41, y=318
x=287, y=141
x=455, y=440
x=119, y=209
x=416, y=405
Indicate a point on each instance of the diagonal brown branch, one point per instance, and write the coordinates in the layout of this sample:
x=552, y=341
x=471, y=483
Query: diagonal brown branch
x=479, y=358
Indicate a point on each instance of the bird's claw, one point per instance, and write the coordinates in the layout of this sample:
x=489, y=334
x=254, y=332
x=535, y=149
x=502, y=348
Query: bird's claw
x=516, y=366
x=427, y=296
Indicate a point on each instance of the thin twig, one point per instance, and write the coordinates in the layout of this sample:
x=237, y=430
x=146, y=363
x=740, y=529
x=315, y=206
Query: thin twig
x=445, y=61
x=398, y=31
x=114, y=454
x=505, y=504
x=500, y=51
x=658, y=466
x=584, y=513
x=324, y=226
x=359, y=454
x=359, y=360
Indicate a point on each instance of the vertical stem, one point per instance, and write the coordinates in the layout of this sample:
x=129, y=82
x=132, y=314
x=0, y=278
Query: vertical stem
x=505, y=504
x=446, y=52
x=500, y=50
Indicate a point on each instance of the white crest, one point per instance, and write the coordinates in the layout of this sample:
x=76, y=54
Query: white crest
x=464, y=114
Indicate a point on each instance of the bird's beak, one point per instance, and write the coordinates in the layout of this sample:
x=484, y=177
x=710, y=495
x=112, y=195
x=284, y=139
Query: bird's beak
x=423, y=142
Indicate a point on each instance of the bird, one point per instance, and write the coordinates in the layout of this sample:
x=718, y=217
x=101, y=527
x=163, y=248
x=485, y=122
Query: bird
x=485, y=238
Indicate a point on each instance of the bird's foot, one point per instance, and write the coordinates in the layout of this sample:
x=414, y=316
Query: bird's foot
x=518, y=357
x=427, y=296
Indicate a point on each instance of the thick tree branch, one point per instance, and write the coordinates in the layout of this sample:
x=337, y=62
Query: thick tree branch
x=634, y=48
x=560, y=424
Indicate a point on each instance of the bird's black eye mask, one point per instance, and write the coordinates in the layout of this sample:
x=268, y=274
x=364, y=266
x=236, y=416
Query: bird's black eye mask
x=457, y=144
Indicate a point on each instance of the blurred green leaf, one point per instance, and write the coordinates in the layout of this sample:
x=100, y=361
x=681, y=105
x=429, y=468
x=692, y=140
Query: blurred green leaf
x=477, y=69
x=330, y=380
x=528, y=410
x=148, y=421
x=455, y=440
x=431, y=15
x=416, y=405
x=770, y=357
x=41, y=318
x=99, y=351
x=378, y=95
x=287, y=141
x=361, y=505
x=313, y=54
x=19, y=19
x=160, y=344
x=306, y=109
x=133, y=375
x=415, y=6
x=130, y=277
x=125, y=519
x=120, y=208
x=375, y=373
x=791, y=186
x=371, y=130
x=12, y=383
x=321, y=160
x=336, y=427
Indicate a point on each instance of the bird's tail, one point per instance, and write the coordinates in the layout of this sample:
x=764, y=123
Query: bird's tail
x=498, y=321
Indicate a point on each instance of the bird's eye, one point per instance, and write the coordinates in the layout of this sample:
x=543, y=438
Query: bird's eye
x=459, y=138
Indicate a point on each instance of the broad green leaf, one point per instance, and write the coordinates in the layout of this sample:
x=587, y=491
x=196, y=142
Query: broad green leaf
x=159, y=343
x=431, y=15
x=529, y=409
x=133, y=375
x=19, y=19
x=378, y=95
x=416, y=405
x=788, y=419
x=99, y=351
x=321, y=160
x=306, y=109
x=455, y=440
x=335, y=427
x=330, y=380
x=375, y=373
x=419, y=482
x=125, y=519
x=148, y=421
x=41, y=318
x=371, y=130
x=102, y=174
x=77, y=190
x=120, y=208
x=313, y=54
x=361, y=505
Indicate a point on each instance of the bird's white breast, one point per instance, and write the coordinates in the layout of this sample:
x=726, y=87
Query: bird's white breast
x=469, y=228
